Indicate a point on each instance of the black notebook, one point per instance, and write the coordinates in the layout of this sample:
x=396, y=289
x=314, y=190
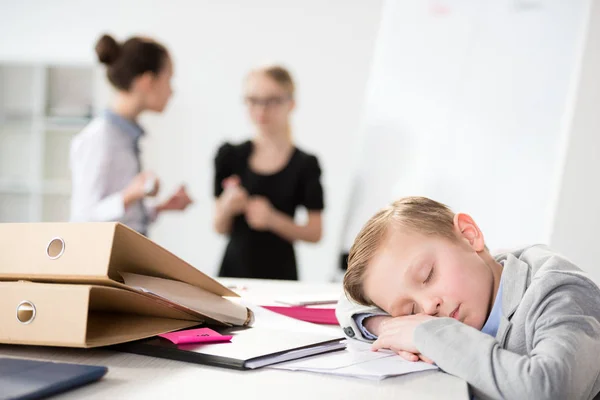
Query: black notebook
x=250, y=348
x=272, y=339
x=29, y=379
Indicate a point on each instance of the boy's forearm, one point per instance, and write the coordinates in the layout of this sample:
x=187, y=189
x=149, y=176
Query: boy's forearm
x=494, y=372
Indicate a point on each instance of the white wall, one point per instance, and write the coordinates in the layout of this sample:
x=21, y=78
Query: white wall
x=466, y=104
x=327, y=44
x=577, y=221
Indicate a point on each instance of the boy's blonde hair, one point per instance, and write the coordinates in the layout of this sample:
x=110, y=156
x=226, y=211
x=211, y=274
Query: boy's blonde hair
x=418, y=214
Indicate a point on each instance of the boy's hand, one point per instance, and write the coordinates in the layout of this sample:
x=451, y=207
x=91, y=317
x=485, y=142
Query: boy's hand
x=408, y=356
x=373, y=324
x=397, y=334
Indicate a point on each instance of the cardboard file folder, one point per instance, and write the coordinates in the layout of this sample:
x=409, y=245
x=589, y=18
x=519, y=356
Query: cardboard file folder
x=81, y=315
x=94, y=253
x=61, y=285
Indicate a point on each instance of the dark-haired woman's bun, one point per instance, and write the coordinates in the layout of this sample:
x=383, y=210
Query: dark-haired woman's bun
x=108, y=49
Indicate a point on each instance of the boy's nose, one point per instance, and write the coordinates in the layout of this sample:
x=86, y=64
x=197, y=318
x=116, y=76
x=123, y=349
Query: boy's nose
x=432, y=305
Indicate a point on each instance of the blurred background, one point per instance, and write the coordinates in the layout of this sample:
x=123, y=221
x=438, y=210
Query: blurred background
x=488, y=106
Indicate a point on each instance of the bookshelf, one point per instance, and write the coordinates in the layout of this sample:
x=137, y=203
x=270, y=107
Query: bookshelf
x=41, y=108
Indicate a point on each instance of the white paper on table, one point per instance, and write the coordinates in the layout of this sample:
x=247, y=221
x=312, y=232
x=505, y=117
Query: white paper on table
x=357, y=361
x=354, y=354
x=309, y=299
x=332, y=361
x=382, y=368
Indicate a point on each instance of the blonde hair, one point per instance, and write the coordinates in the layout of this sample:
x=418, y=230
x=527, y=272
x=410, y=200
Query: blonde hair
x=282, y=76
x=417, y=214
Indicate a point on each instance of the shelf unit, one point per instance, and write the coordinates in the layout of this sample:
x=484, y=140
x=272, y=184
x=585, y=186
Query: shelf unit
x=41, y=108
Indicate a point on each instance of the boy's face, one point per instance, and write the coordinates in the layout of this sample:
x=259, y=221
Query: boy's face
x=412, y=273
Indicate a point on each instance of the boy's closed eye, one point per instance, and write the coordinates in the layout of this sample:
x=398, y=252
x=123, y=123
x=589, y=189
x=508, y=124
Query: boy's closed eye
x=422, y=276
x=429, y=276
x=426, y=281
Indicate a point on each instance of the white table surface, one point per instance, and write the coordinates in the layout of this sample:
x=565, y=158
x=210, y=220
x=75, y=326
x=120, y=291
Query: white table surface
x=133, y=376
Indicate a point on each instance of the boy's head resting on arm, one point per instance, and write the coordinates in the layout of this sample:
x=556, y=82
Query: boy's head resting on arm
x=417, y=256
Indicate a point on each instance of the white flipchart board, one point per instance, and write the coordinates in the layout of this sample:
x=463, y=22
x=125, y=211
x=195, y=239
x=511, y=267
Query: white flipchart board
x=466, y=104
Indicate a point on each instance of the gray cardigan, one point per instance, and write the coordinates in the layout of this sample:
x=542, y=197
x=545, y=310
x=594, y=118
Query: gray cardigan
x=548, y=341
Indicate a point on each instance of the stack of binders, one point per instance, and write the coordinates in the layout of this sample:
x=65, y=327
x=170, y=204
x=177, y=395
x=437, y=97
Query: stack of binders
x=61, y=284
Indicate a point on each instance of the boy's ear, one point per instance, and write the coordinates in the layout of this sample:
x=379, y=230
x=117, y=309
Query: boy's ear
x=467, y=229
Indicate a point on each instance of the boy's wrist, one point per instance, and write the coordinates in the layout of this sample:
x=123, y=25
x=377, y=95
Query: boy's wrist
x=373, y=324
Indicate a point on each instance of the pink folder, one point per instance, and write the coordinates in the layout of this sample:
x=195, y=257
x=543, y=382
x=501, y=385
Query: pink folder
x=324, y=316
x=201, y=335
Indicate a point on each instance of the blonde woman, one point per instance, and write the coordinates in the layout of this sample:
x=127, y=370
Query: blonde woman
x=261, y=182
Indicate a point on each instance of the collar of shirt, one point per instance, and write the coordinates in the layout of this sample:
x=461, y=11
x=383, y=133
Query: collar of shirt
x=129, y=127
x=493, y=321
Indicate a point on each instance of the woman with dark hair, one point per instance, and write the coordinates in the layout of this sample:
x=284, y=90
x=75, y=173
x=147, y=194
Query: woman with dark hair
x=108, y=181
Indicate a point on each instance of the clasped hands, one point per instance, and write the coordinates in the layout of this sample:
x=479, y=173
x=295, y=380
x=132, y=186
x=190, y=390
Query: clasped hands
x=236, y=200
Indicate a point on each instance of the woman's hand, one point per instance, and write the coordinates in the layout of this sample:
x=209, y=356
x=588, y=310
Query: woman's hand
x=259, y=213
x=139, y=187
x=179, y=201
x=235, y=197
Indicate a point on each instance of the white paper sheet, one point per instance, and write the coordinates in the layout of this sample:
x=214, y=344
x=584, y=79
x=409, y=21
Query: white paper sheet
x=309, y=299
x=357, y=361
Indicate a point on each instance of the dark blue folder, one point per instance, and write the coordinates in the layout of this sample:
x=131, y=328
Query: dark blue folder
x=28, y=379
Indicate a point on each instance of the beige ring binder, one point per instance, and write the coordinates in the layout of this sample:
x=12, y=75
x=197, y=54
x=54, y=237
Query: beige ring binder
x=26, y=312
x=55, y=248
x=78, y=298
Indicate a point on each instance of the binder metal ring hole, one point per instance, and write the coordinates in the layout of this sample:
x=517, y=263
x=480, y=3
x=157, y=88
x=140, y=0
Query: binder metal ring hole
x=55, y=248
x=25, y=312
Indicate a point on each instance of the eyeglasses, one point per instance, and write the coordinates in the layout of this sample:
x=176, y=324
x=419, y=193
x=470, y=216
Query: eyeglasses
x=267, y=102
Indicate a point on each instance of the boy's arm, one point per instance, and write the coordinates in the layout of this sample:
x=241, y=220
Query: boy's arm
x=563, y=361
x=350, y=315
